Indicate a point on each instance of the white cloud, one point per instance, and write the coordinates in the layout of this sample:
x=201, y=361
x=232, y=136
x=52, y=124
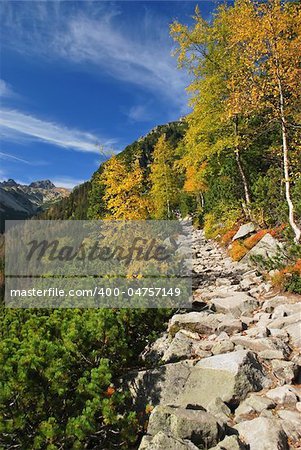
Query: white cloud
x=8, y=156
x=5, y=89
x=139, y=113
x=140, y=58
x=98, y=37
x=66, y=182
x=15, y=125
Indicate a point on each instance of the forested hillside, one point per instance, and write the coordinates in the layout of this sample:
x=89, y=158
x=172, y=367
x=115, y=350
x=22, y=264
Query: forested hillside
x=234, y=158
x=72, y=207
x=85, y=201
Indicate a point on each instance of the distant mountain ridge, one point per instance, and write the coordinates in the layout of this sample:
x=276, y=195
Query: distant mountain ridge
x=18, y=201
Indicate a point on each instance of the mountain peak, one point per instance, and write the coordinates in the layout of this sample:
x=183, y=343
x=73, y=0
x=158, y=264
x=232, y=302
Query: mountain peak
x=42, y=184
x=9, y=182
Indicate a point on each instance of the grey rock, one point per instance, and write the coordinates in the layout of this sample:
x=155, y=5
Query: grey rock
x=284, y=371
x=198, y=322
x=180, y=348
x=230, y=325
x=294, y=332
x=261, y=344
x=282, y=334
x=263, y=434
x=219, y=410
x=160, y=385
x=253, y=403
x=196, y=425
x=257, y=332
x=230, y=443
x=220, y=293
x=291, y=423
x=222, y=347
x=238, y=304
x=248, y=281
x=269, y=305
x=145, y=442
x=223, y=336
x=247, y=320
x=223, y=282
x=205, y=345
x=290, y=324
x=154, y=351
x=163, y=441
x=230, y=376
x=244, y=231
x=286, y=310
x=271, y=354
x=283, y=395
x=267, y=247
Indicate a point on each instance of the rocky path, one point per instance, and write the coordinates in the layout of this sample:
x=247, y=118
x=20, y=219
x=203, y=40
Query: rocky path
x=226, y=374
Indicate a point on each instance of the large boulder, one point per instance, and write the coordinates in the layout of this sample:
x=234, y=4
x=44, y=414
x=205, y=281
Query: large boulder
x=267, y=247
x=291, y=324
x=244, y=231
x=159, y=385
x=283, y=395
x=230, y=376
x=198, y=322
x=263, y=434
x=230, y=443
x=291, y=423
x=195, y=425
x=164, y=441
x=181, y=347
x=254, y=403
x=237, y=304
x=285, y=371
x=262, y=344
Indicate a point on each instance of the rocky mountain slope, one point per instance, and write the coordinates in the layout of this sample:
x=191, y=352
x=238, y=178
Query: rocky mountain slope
x=19, y=201
x=226, y=375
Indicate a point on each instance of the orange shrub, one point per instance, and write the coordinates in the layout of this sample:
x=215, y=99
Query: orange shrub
x=277, y=232
x=251, y=241
x=281, y=278
x=227, y=237
x=296, y=268
x=237, y=251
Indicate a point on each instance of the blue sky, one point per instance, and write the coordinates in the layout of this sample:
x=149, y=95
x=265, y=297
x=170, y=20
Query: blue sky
x=76, y=77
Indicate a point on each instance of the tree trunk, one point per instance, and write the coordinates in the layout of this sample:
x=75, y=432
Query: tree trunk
x=200, y=199
x=240, y=167
x=243, y=177
x=291, y=214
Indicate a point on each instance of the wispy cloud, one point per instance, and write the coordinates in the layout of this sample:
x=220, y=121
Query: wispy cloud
x=98, y=36
x=67, y=182
x=142, y=59
x=8, y=156
x=139, y=113
x=16, y=125
x=5, y=89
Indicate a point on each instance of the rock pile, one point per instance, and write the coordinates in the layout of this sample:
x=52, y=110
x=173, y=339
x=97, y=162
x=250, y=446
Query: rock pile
x=227, y=372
